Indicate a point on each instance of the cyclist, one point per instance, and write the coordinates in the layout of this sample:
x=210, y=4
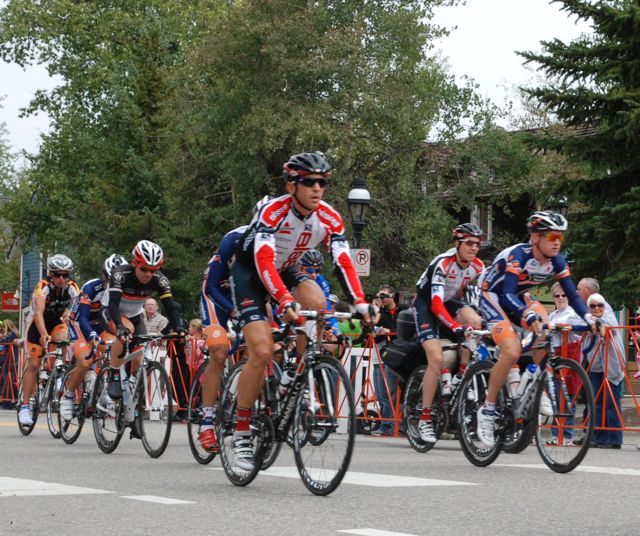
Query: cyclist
x=266, y=263
x=504, y=301
x=52, y=299
x=129, y=287
x=216, y=307
x=84, y=326
x=440, y=301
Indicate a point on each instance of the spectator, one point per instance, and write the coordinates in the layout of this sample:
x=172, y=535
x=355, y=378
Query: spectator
x=564, y=313
x=594, y=350
x=385, y=331
x=153, y=320
x=349, y=328
x=198, y=342
x=588, y=286
x=8, y=334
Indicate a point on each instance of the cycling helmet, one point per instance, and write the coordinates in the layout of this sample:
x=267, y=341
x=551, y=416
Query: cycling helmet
x=466, y=230
x=312, y=257
x=300, y=165
x=111, y=262
x=148, y=255
x=59, y=263
x=256, y=208
x=545, y=220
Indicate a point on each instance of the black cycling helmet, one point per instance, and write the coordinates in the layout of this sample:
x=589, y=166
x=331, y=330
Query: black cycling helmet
x=546, y=220
x=312, y=258
x=466, y=230
x=301, y=165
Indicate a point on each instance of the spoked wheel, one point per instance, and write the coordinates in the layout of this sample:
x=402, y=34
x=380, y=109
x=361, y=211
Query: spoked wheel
x=70, y=430
x=473, y=391
x=155, y=407
x=270, y=448
x=194, y=418
x=566, y=415
x=325, y=409
x=56, y=390
x=108, y=417
x=412, y=409
x=225, y=426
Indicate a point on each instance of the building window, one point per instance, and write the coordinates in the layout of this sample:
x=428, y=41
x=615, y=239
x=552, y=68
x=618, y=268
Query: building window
x=482, y=215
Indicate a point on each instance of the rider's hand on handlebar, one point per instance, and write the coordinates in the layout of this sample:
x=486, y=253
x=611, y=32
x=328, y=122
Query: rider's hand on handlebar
x=123, y=334
x=370, y=313
x=460, y=334
x=288, y=309
x=44, y=341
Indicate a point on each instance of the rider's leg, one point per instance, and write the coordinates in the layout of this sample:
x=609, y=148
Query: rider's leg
x=435, y=359
x=310, y=296
x=30, y=375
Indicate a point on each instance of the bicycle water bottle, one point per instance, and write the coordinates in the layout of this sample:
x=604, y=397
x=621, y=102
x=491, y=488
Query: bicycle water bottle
x=126, y=395
x=455, y=382
x=90, y=381
x=445, y=382
x=287, y=377
x=44, y=376
x=513, y=381
x=481, y=353
x=527, y=376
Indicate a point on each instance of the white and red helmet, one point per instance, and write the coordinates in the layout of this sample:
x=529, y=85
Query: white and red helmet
x=146, y=254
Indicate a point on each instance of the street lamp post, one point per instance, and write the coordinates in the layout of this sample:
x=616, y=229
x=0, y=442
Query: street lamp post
x=359, y=200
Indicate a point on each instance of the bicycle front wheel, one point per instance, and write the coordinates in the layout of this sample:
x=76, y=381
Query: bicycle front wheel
x=108, y=417
x=473, y=391
x=155, y=407
x=56, y=390
x=566, y=409
x=26, y=429
x=70, y=430
x=194, y=418
x=324, y=426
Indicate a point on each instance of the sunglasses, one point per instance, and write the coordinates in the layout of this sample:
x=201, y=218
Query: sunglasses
x=312, y=270
x=309, y=183
x=147, y=270
x=552, y=236
x=59, y=274
x=559, y=295
x=596, y=305
x=471, y=243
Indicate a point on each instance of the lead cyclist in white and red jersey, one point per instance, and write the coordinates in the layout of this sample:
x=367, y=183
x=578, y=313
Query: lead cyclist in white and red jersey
x=267, y=263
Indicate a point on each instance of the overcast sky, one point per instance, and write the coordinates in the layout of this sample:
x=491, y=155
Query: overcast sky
x=483, y=45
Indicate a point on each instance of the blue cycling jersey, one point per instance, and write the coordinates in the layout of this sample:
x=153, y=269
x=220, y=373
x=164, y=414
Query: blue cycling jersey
x=85, y=311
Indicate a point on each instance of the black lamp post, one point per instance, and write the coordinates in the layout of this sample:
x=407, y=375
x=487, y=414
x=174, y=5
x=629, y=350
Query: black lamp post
x=359, y=200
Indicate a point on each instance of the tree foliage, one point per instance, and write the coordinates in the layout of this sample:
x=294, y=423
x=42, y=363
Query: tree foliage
x=593, y=90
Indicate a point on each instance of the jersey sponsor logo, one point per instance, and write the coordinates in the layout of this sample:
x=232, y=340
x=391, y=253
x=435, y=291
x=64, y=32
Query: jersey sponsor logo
x=266, y=276
x=246, y=302
x=335, y=223
x=164, y=281
x=215, y=258
x=254, y=317
x=118, y=276
x=273, y=216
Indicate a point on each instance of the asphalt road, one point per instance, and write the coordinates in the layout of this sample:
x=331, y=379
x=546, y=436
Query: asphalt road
x=48, y=487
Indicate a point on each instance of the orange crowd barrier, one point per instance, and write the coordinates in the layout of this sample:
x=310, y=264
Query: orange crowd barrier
x=10, y=366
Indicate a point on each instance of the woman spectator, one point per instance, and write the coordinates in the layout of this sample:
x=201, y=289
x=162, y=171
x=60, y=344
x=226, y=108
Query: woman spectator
x=601, y=352
x=198, y=343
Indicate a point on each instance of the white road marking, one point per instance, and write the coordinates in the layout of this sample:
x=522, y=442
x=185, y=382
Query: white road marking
x=369, y=479
x=580, y=468
x=155, y=499
x=374, y=532
x=20, y=487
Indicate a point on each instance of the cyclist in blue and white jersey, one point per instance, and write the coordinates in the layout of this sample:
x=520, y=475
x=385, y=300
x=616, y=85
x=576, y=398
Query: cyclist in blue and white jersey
x=311, y=263
x=216, y=307
x=504, y=301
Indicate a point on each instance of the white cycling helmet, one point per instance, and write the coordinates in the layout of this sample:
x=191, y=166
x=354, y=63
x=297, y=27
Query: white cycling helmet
x=148, y=255
x=545, y=220
x=111, y=262
x=59, y=263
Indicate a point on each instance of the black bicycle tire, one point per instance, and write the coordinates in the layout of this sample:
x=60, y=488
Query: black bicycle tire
x=305, y=476
x=192, y=424
x=225, y=428
x=268, y=457
x=105, y=447
x=53, y=397
x=468, y=450
x=81, y=416
x=587, y=393
x=525, y=437
x=156, y=452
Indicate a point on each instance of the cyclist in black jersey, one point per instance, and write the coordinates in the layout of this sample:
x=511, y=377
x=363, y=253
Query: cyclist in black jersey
x=129, y=287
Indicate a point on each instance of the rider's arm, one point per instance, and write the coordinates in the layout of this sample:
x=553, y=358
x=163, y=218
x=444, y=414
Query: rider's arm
x=82, y=316
x=38, y=314
x=566, y=282
x=438, y=280
x=264, y=254
x=166, y=297
x=218, y=274
x=115, y=296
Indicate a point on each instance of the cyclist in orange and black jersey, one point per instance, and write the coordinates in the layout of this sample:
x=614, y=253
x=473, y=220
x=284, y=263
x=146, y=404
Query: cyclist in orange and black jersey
x=52, y=299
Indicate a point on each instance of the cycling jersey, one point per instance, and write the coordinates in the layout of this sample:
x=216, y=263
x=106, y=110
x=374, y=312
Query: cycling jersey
x=514, y=271
x=56, y=300
x=215, y=296
x=84, y=313
x=126, y=294
x=444, y=281
x=326, y=289
x=279, y=235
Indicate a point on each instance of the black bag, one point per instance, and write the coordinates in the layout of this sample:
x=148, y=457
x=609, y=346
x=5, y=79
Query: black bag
x=403, y=357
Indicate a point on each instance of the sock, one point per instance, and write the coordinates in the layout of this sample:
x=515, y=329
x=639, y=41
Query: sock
x=461, y=368
x=243, y=420
x=489, y=407
x=426, y=414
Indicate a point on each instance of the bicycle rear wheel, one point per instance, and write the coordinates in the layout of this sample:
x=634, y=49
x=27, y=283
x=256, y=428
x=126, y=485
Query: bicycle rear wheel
x=56, y=390
x=473, y=391
x=154, y=409
x=571, y=400
x=225, y=426
x=326, y=409
x=194, y=418
x=108, y=417
x=70, y=430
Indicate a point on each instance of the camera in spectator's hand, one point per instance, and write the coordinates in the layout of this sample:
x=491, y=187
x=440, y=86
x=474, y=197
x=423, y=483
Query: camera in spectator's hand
x=383, y=295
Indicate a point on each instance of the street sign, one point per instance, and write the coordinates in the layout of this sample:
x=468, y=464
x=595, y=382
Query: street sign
x=9, y=302
x=362, y=261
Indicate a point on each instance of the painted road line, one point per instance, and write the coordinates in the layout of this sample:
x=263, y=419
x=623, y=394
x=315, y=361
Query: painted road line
x=374, y=532
x=155, y=499
x=580, y=468
x=367, y=479
x=14, y=424
x=20, y=487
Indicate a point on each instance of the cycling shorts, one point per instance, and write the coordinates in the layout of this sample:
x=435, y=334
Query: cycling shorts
x=428, y=327
x=211, y=313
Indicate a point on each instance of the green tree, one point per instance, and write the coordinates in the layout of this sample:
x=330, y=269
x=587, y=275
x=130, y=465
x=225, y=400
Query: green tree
x=593, y=91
